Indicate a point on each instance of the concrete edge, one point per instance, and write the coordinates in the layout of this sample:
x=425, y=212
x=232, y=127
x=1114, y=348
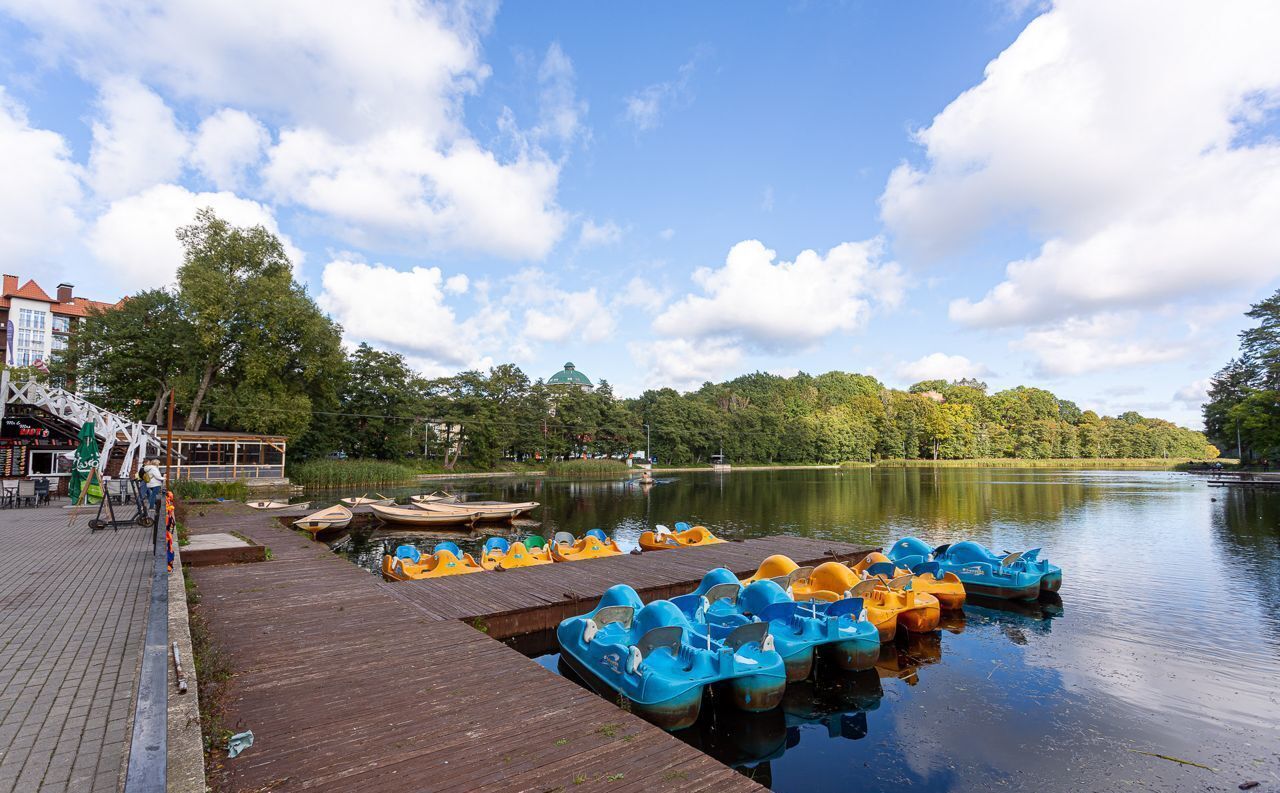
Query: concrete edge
x=186, y=744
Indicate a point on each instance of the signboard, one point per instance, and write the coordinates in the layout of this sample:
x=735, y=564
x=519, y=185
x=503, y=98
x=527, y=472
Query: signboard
x=13, y=460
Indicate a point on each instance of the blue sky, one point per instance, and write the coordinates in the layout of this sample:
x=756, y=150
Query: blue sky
x=1067, y=195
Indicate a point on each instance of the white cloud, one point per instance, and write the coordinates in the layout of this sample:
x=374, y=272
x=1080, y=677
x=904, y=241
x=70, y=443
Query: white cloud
x=1130, y=139
x=644, y=108
x=405, y=310
x=369, y=113
x=41, y=188
x=457, y=284
x=555, y=315
x=784, y=305
x=940, y=366
x=684, y=364
x=135, y=237
x=137, y=142
x=395, y=186
x=641, y=293
x=592, y=234
x=1079, y=346
x=560, y=111
x=227, y=144
x=1193, y=394
x=667, y=234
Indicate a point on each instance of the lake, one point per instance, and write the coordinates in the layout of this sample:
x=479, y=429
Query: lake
x=1166, y=639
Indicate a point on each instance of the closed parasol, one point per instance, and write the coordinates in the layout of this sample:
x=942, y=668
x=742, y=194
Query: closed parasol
x=86, y=460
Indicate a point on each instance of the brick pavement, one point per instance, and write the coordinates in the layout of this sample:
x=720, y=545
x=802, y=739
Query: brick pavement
x=73, y=609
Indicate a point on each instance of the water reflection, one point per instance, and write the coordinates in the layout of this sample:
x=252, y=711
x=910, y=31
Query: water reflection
x=1166, y=639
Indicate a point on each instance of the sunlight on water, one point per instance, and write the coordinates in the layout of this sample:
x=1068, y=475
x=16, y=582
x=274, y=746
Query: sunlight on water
x=1167, y=639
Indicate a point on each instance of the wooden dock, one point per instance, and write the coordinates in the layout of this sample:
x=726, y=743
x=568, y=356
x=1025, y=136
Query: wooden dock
x=350, y=683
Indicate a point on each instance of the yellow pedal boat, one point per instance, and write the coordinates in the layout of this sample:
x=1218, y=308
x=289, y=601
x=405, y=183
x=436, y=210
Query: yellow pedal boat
x=410, y=564
x=918, y=612
x=807, y=583
x=592, y=545
x=685, y=536
x=502, y=554
x=930, y=579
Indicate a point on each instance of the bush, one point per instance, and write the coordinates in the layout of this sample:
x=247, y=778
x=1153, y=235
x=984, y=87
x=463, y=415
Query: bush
x=350, y=473
x=191, y=490
x=584, y=469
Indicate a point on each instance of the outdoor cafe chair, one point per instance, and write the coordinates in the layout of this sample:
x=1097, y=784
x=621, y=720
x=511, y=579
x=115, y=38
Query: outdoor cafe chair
x=42, y=491
x=8, y=492
x=26, y=491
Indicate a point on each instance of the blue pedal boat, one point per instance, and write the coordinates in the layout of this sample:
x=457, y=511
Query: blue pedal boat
x=659, y=663
x=1015, y=576
x=798, y=628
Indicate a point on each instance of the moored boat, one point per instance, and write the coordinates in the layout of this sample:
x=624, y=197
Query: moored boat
x=412, y=516
x=659, y=664
x=269, y=504
x=917, y=612
x=595, y=544
x=335, y=517
x=410, y=564
x=483, y=510
x=501, y=554
x=360, y=501
x=928, y=577
x=685, y=536
x=1014, y=576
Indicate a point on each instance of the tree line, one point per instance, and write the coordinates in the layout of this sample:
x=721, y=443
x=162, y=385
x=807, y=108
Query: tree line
x=1242, y=414
x=239, y=344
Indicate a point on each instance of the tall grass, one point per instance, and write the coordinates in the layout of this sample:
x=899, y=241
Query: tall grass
x=350, y=473
x=1018, y=462
x=586, y=469
x=191, y=490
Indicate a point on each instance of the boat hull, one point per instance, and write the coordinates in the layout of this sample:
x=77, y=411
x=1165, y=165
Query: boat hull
x=853, y=655
x=1023, y=593
x=675, y=713
x=1051, y=582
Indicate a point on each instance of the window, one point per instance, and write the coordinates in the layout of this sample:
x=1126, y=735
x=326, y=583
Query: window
x=249, y=453
x=58, y=343
x=30, y=342
x=50, y=463
x=61, y=324
x=273, y=454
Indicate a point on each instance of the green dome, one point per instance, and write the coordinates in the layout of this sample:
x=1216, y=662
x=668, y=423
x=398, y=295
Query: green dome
x=569, y=376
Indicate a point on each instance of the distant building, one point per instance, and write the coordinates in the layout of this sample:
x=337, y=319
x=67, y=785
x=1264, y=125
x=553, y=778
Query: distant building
x=34, y=325
x=570, y=377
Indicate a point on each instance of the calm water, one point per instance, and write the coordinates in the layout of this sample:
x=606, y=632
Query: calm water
x=1166, y=639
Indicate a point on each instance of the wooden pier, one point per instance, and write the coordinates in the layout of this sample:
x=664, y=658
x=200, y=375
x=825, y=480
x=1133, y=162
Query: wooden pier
x=350, y=683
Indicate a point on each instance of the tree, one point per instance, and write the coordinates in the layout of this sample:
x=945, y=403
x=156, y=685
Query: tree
x=381, y=405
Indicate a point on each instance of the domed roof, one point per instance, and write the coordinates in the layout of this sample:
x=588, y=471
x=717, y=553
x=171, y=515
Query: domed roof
x=569, y=376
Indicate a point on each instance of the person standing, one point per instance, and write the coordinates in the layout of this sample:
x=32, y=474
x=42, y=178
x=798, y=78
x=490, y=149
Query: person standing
x=154, y=480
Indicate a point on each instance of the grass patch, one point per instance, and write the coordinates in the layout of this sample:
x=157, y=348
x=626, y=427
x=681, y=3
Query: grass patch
x=1018, y=462
x=213, y=672
x=191, y=490
x=586, y=469
x=350, y=473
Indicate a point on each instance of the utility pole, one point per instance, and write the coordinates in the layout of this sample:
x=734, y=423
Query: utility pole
x=1239, y=448
x=647, y=456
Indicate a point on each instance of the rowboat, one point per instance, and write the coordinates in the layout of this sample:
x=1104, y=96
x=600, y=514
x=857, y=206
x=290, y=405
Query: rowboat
x=268, y=504
x=364, y=501
x=412, y=516
x=426, y=498
x=483, y=510
x=335, y=517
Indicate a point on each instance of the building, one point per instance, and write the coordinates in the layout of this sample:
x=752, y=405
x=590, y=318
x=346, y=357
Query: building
x=570, y=377
x=216, y=456
x=35, y=325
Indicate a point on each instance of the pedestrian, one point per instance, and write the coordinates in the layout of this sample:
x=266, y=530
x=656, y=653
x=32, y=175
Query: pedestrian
x=155, y=481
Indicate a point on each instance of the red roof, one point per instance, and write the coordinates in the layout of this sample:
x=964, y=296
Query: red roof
x=31, y=291
x=76, y=307
x=79, y=306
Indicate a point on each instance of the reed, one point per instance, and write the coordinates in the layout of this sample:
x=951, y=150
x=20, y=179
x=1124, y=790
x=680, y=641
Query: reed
x=586, y=469
x=1017, y=462
x=191, y=490
x=350, y=473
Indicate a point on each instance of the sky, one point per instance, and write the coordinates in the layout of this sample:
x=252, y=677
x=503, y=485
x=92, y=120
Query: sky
x=1081, y=196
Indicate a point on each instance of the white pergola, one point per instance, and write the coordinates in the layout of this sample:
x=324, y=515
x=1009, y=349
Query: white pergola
x=111, y=428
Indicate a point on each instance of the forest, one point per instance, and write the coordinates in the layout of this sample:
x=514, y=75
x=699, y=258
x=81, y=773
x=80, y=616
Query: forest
x=239, y=344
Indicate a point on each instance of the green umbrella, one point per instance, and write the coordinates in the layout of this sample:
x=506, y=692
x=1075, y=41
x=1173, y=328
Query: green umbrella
x=86, y=460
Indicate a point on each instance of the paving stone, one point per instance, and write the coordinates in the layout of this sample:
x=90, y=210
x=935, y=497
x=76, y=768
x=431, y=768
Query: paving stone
x=70, y=648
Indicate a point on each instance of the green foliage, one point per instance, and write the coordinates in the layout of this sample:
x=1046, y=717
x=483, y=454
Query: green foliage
x=192, y=490
x=347, y=473
x=379, y=402
x=1243, y=409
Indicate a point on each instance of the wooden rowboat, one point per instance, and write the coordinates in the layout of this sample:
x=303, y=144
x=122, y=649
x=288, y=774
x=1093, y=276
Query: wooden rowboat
x=362, y=500
x=414, y=516
x=438, y=496
x=268, y=504
x=483, y=510
x=335, y=517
